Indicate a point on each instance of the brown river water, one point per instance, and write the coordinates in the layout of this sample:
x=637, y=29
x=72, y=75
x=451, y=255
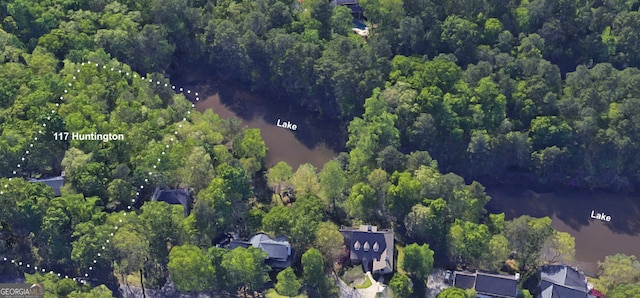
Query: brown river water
x=570, y=211
x=318, y=139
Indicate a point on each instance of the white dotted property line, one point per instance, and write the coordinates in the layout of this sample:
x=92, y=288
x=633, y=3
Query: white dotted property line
x=133, y=201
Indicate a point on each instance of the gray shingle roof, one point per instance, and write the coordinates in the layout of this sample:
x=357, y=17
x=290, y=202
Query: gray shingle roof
x=496, y=285
x=54, y=182
x=561, y=281
x=174, y=197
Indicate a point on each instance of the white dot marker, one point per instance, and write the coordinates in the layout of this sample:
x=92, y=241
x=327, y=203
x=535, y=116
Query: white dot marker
x=112, y=69
x=180, y=89
x=65, y=90
x=196, y=93
x=165, y=85
x=197, y=98
x=129, y=207
x=142, y=78
x=154, y=166
x=173, y=87
x=188, y=91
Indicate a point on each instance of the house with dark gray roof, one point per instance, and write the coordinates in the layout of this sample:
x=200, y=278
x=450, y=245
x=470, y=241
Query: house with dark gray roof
x=370, y=247
x=54, y=182
x=562, y=281
x=177, y=196
x=487, y=285
x=279, y=251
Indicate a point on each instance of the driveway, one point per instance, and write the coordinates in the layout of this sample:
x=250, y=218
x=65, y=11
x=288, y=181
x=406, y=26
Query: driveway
x=372, y=290
x=435, y=283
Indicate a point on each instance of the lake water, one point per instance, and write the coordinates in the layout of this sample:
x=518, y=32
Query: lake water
x=316, y=139
x=570, y=211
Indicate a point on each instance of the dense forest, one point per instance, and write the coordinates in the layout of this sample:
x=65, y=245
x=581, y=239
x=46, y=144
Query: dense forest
x=491, y=90
x=543, y=89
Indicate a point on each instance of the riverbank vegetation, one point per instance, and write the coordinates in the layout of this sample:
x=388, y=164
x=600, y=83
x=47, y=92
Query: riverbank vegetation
x=546, y=90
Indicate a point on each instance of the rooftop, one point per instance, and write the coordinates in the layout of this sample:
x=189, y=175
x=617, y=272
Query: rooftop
x=175, y=197
x=371, y=247
x=561, y=281
x=54, y=182
x=488, y=284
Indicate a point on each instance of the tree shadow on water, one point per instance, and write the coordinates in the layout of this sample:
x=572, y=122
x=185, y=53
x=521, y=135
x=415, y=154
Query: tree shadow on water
x=572, y=207
x=313, y=129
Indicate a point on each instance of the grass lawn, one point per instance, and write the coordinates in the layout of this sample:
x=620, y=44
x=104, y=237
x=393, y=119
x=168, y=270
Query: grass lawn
x=400, y=250
x=271, y=293
x=366, y=284
x=355, y=277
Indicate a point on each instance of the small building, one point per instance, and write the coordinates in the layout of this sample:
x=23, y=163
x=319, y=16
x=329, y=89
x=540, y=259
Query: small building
x=54, y=182
x=370, y=247
x=356, y=10
x=177, y=196
x=487, y=285
x=279, y=251
x=562, y=281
